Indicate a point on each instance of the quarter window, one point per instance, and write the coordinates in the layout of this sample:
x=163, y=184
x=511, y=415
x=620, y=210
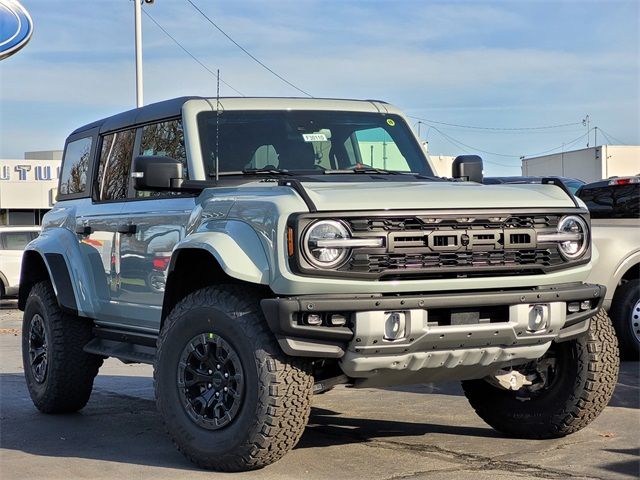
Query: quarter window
x=115, y=164
x=165, y=139
x=73, y=178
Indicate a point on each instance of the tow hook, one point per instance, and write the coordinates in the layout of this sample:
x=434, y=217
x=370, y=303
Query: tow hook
x=510, y=379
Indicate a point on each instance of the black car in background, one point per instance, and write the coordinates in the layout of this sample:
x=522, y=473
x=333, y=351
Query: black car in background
x=572, y=184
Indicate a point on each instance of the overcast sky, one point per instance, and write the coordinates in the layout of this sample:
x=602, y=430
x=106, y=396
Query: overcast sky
x=501, y=64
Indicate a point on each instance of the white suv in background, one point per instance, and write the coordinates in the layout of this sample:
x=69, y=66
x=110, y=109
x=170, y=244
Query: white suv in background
x=12, y=243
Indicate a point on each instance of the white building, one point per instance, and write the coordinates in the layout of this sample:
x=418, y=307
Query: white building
x=588, y=164
x=28, y=187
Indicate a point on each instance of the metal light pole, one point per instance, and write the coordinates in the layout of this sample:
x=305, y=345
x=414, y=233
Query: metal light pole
x=138, y=28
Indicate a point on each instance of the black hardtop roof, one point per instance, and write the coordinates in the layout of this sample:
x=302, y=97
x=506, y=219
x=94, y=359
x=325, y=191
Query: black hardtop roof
x=157, y=111
x=147, y=113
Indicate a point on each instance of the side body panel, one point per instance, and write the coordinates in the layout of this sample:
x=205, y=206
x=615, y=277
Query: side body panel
x=618, y=241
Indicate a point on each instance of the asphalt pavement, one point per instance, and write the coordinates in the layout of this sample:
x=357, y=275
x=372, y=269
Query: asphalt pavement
x=418, y=432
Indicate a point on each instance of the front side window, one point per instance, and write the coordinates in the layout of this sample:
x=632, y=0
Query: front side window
x=308, y=141
x=115, y=164
x=613, y=201
x=73, y=177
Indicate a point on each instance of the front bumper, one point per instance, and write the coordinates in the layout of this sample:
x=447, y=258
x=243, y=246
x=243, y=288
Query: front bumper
x=427, y=344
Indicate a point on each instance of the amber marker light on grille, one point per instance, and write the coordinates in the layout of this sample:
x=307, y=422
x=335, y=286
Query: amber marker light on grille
x=290, y=241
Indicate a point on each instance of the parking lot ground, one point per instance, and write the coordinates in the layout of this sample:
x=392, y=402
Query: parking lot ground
x=425, y=431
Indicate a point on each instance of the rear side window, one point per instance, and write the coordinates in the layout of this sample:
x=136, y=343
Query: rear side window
x=73, y=178
x=612, y=201
x=115, y=163
x=16, y=240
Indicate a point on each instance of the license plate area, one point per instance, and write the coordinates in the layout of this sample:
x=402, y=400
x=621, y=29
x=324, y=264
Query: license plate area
x=443, y=317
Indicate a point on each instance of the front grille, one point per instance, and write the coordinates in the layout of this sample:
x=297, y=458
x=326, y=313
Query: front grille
x=448, y=245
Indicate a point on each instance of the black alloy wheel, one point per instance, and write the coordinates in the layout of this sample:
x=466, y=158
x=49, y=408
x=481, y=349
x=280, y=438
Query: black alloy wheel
x=210, y=381
x=38, y=348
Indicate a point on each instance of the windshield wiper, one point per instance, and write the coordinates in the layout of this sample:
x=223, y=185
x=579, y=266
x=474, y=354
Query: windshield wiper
x=362, y=170
x=273, y=170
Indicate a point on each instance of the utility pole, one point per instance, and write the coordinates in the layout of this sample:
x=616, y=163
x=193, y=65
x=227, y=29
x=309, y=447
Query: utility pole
x=585, y=122
x=137, y=5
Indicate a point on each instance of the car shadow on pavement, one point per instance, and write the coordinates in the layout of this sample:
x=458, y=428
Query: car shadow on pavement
x=126, y=428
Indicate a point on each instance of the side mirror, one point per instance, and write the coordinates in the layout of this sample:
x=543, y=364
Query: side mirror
x=467, y=167
x=158, y=173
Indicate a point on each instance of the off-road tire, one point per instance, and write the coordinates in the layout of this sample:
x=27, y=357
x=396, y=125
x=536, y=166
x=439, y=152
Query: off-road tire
x=583, y=388
x=70, y=371
x=622, y=309
x=277, y=388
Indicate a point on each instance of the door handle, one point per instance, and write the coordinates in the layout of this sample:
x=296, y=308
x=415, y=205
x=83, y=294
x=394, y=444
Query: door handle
x=127, y=229
x=83, y=230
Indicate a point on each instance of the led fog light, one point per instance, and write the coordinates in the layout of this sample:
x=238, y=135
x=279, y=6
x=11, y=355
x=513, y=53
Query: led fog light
x=337, y=320
x=394, y=325
x=585, y=305
x=313, y=319
x=538, y=318
x=573, y=307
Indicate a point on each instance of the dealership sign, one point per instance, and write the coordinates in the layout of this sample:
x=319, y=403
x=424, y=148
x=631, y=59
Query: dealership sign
x=16, y=27
x=25, y=172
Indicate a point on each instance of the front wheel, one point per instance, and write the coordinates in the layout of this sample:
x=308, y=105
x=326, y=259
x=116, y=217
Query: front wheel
x=230, y=399
x=561, y=393
x=58, y=372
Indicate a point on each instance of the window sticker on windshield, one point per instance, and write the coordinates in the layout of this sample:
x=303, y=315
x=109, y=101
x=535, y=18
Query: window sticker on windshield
x=390, y=122
x=314, y=137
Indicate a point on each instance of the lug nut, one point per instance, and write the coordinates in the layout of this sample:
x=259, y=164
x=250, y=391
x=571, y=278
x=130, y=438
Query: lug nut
x=218, y=366
x=209, y=386
x=226, y=375
x=210, y=372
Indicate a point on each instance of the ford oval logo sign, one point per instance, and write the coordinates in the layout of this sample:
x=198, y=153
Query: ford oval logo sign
x=16, y=27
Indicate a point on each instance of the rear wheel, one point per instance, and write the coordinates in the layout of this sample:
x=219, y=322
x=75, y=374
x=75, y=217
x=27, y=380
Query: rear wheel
x=560, y=393
x=59, y=374
x=625, y=314
x=230, y=399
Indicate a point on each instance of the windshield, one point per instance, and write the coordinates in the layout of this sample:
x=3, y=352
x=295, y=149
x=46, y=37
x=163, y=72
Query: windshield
x=308, y=141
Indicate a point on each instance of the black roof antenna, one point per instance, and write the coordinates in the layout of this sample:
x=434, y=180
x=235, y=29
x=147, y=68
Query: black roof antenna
x=217, y=125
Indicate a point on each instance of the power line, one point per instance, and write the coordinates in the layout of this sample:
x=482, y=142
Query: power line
x=544, y=127
x=451, y=139
x=564, y=145
x=189, y=53
x=459, y=144
x=607, y=138
x=611, y=137
x=455, y=143
x=247, y=52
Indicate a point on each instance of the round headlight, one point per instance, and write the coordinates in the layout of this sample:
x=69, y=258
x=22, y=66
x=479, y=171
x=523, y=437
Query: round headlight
x=321, y=256
x=575, y=225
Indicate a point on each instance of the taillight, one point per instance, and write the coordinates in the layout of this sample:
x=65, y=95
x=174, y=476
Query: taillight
x=624, y=181
x=161, y=263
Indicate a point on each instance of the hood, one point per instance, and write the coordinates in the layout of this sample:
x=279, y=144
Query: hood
x=433, y=195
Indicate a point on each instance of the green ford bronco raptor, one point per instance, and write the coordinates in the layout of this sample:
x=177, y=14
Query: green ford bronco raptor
x=257, y=251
